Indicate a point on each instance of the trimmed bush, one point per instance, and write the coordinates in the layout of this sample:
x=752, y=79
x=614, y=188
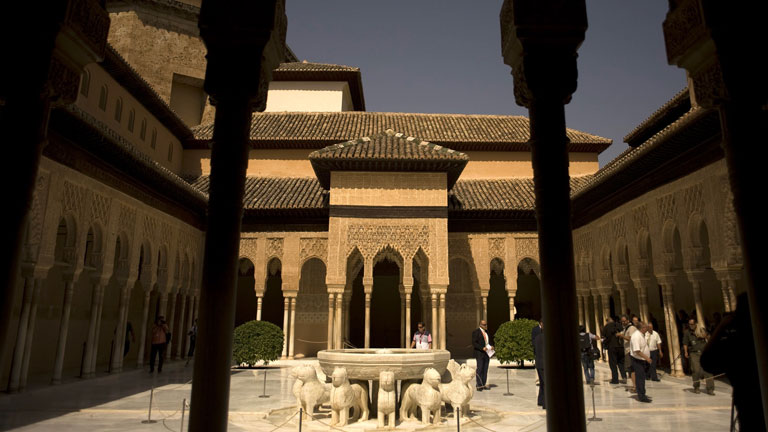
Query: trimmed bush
x=257, y=341
x=513, y=341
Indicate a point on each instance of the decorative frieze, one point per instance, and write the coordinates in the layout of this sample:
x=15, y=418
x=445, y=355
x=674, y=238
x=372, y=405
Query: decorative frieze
x=666, y=207
x=274, y=248
x=73, y=199
x=405, y=239
x=99, y=208
x=527, y=247
x=497, y=248
x=313, y=247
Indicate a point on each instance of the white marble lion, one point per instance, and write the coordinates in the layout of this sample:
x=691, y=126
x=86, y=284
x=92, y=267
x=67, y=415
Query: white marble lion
x=425, y=396
x=345, y=396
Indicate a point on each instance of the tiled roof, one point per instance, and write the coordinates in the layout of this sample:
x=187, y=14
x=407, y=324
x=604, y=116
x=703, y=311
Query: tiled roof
x=305, y=71
x=457, y=131
x=498, y=194
x=387, y=145
x=387, y=151
x=661, y=118
x=307, y=66
x=303, y=194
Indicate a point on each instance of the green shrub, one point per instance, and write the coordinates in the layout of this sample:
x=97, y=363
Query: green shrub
x=257, y=341
x=513, y=341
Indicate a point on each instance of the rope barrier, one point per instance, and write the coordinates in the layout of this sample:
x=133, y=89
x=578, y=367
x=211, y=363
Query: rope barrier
x=285, y=422
x=309, y=341
x=475, y=422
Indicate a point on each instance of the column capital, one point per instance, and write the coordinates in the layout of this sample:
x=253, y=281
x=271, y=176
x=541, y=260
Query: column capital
x=438, y=289
x=728, y=274
x=666, y=280
x=335, y=288
x=695, y=275
x=539, y=41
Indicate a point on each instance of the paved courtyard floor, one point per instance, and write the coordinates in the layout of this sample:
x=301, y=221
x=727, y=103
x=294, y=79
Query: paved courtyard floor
x=120, y=402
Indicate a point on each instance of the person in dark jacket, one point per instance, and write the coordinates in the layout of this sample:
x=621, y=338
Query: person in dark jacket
x=538, y=347
x=481, y=342
x=615, y=348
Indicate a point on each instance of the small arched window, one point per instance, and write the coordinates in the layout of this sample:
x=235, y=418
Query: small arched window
x=170, y=151
x=118, y=109
x=131, y=119
x=103, y=94
x=85, y=83
x=153, y=143
x=143, y=130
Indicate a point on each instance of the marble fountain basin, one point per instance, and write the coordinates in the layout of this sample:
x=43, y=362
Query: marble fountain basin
x=367, y=363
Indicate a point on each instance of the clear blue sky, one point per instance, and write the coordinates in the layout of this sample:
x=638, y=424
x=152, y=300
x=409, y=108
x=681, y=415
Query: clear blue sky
x=444, y=56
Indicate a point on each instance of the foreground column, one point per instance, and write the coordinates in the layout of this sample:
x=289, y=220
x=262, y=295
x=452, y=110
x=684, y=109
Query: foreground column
x=443, y=332
x=331, y=318
x=539, y=41
x=368, y=290
x=118, y=349
x=22, y=334
x=338, y=342
x=286, y=317
x=292, y=343
x=435, y=330
x=186, y=311
x=30, y=335
x=97, y=298
x=171, y=316
x=258, y=307
x=667, y=287
x=143, y=329
x=241, y=46
x=69, y=288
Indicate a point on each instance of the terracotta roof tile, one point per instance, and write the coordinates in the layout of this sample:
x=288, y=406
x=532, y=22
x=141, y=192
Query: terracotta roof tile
x=310, y=66
x=456, y=131
x=387, y=145
x=661, y=118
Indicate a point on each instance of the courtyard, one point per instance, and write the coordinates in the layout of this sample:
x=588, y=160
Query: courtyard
x=120, y=403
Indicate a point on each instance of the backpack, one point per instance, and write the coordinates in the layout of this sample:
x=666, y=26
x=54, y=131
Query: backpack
x=585, y=343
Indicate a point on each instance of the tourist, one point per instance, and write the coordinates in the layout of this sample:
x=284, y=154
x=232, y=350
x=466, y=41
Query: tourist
x=587, y=361
x=159, y=343
x=641, y=358
x=653, y=340
x=538, y=348
x=482, y=347
x=615, y=349
x=422, y=338
x=192, y=333
x=535, y=332
x=694, y=341
x=626, y=335
x=129, y=337
x=731, y=350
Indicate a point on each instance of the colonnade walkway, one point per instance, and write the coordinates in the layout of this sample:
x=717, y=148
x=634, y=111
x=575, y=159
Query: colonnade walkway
x=120, y=402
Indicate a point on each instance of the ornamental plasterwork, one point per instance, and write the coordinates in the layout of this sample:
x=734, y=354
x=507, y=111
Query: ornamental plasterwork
x=99, y=208
x=73, y=198
x=666, y=207
x=149, y=227
x=527, y=265
x=618, y=227
x=527, y=247
x=313, y=247
x=274, y=248
x=126, y=219
x=497, y=248
x=640, y=218
x=36, y=211
x=692, y=199
x=166, y=233
x=406, y=239
x=249, y=248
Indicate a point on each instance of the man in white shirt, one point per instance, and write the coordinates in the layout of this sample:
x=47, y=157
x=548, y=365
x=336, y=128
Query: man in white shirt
x=654, y=345
x=629, y=329
x=641, y=357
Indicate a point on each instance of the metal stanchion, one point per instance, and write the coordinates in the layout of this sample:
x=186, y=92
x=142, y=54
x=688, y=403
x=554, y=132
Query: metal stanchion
x=183, y=407
x=149, y=415
x=507, y=393
x=594, y=412
x=301, y=417
x=458, y=419
x=264, y=392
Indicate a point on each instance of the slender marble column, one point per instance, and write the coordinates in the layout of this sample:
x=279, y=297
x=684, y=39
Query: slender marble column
x=403, y=337
x=96, y=298
x=435, y=330
x=163, y=303
x=122, y=317
x=622, y=289
x=672, y=335
x=21, y=335
x=29, y=341
x=339, y=344
x=695, y=279
x=596, y=310
x=587, y=317
x=293, y=328
x=580, y=302
x=97, y=335
x=143, y=331
x=259, y=299
x=331, y=318
x=69, y=288
x=443, y=333
x=191, y=318
x=347, y=300
x=642, y=297
x=183, y=324
x=485, y=306
x=367, y=319
x=407, y=318
x=171, y=317
x=511, y=308
x=286, y=316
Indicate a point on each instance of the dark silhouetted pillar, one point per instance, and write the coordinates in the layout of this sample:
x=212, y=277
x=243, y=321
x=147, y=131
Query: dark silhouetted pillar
x=711, y=40
x=245, y=41
x=43, y=66
x=539, y=40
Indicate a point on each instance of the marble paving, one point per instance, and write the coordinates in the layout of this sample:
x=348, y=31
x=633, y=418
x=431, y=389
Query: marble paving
x=120, y=403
